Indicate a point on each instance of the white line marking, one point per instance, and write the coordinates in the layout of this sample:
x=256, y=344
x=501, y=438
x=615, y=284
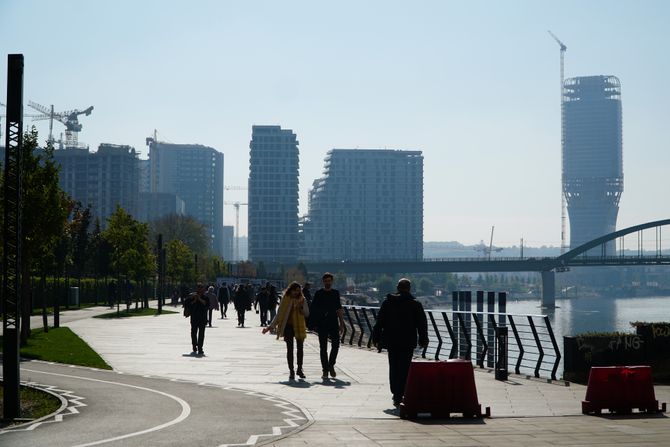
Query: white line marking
x=185, y=408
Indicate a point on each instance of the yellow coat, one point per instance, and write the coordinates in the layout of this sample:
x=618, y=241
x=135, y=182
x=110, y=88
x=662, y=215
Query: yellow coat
x=295, y=311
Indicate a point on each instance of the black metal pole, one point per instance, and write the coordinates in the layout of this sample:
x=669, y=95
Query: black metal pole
x=11, y=265
x=160, y=272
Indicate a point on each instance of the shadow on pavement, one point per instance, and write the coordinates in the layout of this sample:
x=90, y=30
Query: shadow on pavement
x=336, y=383
x=296, y=383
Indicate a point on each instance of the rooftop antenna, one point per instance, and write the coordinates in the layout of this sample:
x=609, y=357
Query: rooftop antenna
x=563, y=204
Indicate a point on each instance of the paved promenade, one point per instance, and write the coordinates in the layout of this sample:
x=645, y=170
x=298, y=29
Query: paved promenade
x=355, y=409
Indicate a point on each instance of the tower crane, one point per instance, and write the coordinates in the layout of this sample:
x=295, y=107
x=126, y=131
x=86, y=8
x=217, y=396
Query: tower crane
x=237, y=206
x=563, y=204
x=68, y=117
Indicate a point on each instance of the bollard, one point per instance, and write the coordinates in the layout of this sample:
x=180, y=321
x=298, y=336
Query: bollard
x=501, y=353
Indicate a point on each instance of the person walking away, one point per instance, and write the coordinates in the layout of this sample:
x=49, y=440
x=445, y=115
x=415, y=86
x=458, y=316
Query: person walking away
x=198, y=304
x=272, y=299
x=213, y=304
x=241, y=301
x=290, y=324
x=400, y=321
x=327, y=319
x=261, y=304
x=224, y=299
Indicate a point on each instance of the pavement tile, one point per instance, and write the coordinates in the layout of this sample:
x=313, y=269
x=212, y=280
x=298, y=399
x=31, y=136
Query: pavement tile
x=355, y=409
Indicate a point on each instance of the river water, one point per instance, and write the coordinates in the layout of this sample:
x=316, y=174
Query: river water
x=578, y=315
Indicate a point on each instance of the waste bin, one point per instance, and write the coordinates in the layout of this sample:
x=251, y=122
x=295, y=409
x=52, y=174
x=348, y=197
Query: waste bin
x=501, y=353
x=74, y=296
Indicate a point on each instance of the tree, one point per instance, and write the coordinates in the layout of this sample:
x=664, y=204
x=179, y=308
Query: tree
x=384, y=285
x=425, y=286
x=79, y=226
x=44, y=209
x=294, y=274
x=183, y=228
x=130, y=251
x=180, y=262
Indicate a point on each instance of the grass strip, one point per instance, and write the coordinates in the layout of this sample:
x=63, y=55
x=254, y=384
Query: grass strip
x=34, y=403
x=61, y=345
x=147, y=312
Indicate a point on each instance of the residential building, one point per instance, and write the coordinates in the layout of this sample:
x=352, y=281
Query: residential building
x=194, y=173
x=102, y=179
x=273, y=195
x=367, y=206
x=154, y=205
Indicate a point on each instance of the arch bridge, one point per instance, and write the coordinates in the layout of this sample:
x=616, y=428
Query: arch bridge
x=596, y=253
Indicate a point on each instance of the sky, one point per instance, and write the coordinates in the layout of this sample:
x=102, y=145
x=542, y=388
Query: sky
x=474, y=85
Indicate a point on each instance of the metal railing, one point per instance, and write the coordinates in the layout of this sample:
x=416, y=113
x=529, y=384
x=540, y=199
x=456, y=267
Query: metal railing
x=533, y=349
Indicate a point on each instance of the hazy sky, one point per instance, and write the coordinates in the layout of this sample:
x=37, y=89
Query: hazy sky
x=474, y=85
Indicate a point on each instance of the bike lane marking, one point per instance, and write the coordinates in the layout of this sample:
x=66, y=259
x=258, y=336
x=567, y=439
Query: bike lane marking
x=185, y=407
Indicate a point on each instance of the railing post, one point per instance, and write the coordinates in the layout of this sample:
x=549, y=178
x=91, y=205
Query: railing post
x=454, y=307
x=360, y=326
x=501, y=353
x=437, y=334
x=555, y=345
x=466, y=337
x=454, y=346
x=480, y=354
x=367, y=321
x=517, y=368
x=480, y=309
x=539, y=346
x=490, y=326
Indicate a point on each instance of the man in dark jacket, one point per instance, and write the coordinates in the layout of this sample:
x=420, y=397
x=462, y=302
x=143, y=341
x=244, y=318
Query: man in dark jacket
x=261, y=305
x=400, y=319
x=224, y=299
x=326, y=317
x=198, y=305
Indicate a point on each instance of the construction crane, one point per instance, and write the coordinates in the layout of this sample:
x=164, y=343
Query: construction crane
x=237, y=205
x=563, y=204
x=3, y=115
x=68, y=117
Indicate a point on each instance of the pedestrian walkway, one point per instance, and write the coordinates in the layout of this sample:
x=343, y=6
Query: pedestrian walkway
x=356, y=407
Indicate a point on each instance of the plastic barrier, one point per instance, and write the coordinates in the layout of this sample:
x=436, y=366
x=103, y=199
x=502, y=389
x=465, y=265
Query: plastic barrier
x=620, y=389
x=441, y=388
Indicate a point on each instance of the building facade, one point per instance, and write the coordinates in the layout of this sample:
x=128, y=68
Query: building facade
x=193, y=173
x=154, y=205
x=367, y=206
x=273, y=195
x=592, y=156
x=102, y=179
x=228, y=243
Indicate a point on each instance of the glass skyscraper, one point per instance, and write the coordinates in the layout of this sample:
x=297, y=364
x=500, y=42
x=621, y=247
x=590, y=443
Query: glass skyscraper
x=592, y=157
x=273, y=195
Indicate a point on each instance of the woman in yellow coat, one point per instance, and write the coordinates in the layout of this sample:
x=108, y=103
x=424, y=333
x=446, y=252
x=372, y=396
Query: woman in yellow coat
x=290, y=323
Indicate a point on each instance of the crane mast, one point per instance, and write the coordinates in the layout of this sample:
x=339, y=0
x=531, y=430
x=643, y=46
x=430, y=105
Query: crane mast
x=563, y=49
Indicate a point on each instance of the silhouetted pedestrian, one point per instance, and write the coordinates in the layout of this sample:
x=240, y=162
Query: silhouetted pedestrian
x=261, y=305
x=326, y=318
x=198, y=304
x=242, y=303
x=272, y=299
x=224, y=299
x=213, y=304
x=401, y=319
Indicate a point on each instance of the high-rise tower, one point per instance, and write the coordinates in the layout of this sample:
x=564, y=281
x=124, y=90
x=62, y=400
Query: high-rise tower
x=273, y=195
x=367, y=206
x=592, y=158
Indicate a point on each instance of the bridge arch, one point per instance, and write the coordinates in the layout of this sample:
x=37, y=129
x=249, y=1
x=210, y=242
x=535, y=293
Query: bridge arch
x=575, y=252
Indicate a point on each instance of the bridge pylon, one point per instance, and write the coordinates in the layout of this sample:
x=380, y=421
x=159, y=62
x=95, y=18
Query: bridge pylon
x=548, y=289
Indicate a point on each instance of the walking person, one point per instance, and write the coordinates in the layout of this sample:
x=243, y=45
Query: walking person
x=272, y=299
x=213, y=303
x=241, y=301
x=224, y=299
x=327, y=319
x=197, y=305
x=290, y=324
x=400, y=321
x=261, y=304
